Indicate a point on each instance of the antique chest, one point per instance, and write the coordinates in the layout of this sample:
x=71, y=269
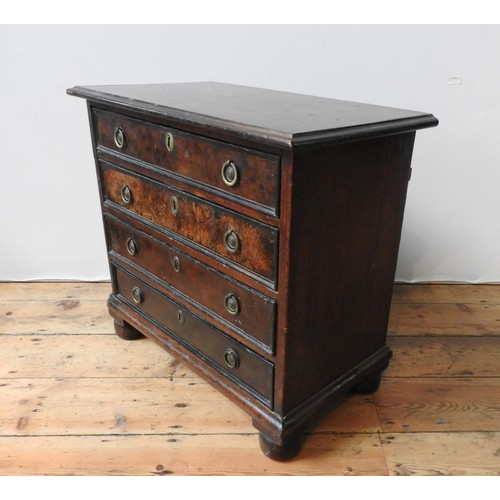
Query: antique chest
x=254, y=235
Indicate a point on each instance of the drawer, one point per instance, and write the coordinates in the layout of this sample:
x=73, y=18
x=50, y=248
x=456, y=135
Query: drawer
x=247, y=174
x=245, y=309
x=229, y=356
x=241, y=240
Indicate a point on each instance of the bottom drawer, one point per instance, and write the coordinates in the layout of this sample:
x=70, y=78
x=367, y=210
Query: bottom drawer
x=252, y=372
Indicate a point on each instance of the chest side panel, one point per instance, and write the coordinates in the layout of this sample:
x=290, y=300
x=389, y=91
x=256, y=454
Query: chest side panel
x=346, y=215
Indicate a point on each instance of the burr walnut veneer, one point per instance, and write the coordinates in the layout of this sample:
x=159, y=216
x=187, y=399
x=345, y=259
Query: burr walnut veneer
x=254, y=235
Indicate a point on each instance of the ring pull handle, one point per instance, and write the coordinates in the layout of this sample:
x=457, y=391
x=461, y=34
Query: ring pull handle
x=126, y=193
x=232, y=241
x=137, y=295
x=232, y=304
x=232, y=358
x=229, y=173
x=169, y=142
x=132, y=246
x=176, y=263
x=119, y=137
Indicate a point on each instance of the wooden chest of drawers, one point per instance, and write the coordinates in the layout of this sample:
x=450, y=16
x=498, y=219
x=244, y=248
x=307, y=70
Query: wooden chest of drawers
x=254, y=235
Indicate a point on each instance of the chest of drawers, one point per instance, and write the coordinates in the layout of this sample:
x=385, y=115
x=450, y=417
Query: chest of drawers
x=254, y=235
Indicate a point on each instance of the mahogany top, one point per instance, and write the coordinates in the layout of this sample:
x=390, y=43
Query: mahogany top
x=271, y=116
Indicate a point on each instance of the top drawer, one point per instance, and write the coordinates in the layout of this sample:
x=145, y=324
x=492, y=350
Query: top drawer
x=249, y=175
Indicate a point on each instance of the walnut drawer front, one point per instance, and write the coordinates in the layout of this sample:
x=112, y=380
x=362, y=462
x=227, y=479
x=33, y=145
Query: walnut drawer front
x=251, y=313
x=255, y=373
x=239, y=239
x=247, y=174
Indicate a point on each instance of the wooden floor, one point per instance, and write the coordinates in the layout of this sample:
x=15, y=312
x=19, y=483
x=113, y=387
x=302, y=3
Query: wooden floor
x=77, y=400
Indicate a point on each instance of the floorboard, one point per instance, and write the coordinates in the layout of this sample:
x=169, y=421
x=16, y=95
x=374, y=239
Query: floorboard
x=443, y=453
x=77, y=400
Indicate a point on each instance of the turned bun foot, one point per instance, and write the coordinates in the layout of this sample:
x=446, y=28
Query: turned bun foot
x=280, y=452
x=369, y=385
x=126, y=331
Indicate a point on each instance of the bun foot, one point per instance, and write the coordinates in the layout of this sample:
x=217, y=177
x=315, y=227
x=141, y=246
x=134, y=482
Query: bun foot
x=126, y=331
x=280, y=452
x=369, y=385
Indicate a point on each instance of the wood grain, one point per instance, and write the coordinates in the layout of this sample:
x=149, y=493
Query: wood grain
x=109, y=406
x=66, y=316
x=270, y=116
x=256, y=312
x=200, y=222
x=434, y=293
x=47, y=291
x=472, y=319
x=194, y=157
x=228, y=454
x=439, y=405
x=443, y=453
x=444, y=357
x=95, y=356
x=77, y=400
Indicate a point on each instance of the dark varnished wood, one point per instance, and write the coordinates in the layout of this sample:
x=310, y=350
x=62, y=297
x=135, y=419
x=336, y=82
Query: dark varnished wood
x=270, y=116
x=281, y=452
x=369, y=385
x=341, y=267
x=198, y=221
x=195, y=158
x=319, y=236
x=236, y=273
x=203, y=285
x=253, y=372
x=240, y=205
x=126, y=331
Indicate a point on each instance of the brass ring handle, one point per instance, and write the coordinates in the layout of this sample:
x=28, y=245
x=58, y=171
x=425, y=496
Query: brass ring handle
x=126, y=194
x=137, y=295
x=232, y=358
x=229, y=173
x=119, y=137
x=132, y=247
x=232, y=304
x=231, y=241
x=176, y=263
x=169, y=142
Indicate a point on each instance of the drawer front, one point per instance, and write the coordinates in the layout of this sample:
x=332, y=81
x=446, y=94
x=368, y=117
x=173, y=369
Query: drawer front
x=244, y=241
x=246, y=310
x=232, y=358
x=240, y=172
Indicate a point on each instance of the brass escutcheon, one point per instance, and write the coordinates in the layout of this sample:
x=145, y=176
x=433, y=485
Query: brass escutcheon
x=169, y=142
x=174, y=205
x=180, y=317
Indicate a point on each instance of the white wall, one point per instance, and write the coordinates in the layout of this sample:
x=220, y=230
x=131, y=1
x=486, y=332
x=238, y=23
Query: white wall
x=49, y=208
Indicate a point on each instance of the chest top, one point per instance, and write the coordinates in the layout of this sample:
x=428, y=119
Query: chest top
x=280, y=118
